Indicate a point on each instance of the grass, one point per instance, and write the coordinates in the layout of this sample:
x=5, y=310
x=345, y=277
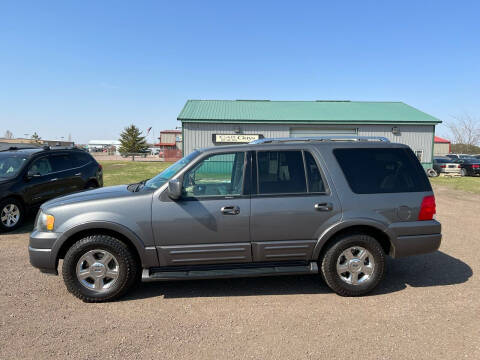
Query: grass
x=467, y=183
x=128, y=172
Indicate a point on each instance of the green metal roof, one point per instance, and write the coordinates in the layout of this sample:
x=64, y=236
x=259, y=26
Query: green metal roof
x=328, y=112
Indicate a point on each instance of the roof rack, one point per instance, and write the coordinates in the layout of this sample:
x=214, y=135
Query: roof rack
x=320, y=138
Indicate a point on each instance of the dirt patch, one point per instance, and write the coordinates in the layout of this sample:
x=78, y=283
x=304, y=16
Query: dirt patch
x=427, y=307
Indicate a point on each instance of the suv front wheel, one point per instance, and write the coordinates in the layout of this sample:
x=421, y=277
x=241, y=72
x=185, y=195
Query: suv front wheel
x=99, y=268
x=353, y=265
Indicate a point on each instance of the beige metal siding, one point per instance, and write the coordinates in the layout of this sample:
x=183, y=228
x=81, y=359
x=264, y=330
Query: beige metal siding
x=168, y=137
x=418, y=137
x=199, y=135
x=441, y=149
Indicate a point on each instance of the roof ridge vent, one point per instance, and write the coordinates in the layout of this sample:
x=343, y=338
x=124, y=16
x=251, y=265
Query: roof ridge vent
x=252, y=100
x=333, y=100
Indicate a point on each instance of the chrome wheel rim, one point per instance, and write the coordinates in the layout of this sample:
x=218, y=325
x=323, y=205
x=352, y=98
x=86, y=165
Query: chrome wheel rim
x=98, y=270
x=10, y=215
x=355, y=265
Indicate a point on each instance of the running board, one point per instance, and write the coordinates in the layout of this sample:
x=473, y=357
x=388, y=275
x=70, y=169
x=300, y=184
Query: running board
x=156, y=274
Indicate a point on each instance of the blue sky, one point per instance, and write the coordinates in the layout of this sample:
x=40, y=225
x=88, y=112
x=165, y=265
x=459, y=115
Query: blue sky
x=90, y=68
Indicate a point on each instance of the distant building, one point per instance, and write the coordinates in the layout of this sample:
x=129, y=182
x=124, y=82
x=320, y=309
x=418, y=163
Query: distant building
x=208, y=123
x=104, y=146
x=170, y=145
x=40, y=142
x=441, y=147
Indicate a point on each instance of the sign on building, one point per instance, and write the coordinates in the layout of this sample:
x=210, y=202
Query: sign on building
x=235, y=138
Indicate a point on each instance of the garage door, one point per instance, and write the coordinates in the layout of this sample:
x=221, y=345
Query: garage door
x=305, y=132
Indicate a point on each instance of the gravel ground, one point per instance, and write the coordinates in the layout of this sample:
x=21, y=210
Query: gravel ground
x=427, y=307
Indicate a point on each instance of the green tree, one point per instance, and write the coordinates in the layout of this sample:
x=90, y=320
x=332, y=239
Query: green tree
x=132, y=141
x=36, y=139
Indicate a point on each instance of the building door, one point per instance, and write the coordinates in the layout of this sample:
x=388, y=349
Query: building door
x=323, y=131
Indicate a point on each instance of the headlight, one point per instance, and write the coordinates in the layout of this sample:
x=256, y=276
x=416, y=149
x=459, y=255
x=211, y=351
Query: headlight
x=45, y=222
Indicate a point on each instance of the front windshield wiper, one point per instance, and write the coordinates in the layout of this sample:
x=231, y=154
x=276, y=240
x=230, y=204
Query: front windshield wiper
x=137, y=186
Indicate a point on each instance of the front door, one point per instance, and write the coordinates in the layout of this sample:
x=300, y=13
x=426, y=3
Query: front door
x=210, y=223
x=291, y=205
x=42, y=185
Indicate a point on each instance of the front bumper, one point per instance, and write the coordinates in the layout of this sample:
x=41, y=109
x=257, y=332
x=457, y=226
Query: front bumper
x=415, y=238
x=40, y=251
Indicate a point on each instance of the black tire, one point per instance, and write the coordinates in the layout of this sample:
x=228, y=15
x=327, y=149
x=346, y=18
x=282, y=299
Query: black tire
x=432, y=173
x=128, y=268
x=91, y=185
x=328, y=264
x=5, y=203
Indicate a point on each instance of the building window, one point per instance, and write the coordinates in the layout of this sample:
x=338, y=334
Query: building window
x=419, y=155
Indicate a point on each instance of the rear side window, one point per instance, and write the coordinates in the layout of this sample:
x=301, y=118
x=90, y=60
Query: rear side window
x=81, y=159
x=382, y=170
x=281, y=172
x=61, y=162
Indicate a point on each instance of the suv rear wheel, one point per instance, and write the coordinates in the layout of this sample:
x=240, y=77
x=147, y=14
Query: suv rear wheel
x=99, y=268
x=11, y=214
x=353, y=265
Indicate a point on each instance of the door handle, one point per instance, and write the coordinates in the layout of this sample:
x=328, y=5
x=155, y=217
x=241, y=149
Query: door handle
x=54, y=179
x=78, y=174
x=324, y=207
x=230, y=210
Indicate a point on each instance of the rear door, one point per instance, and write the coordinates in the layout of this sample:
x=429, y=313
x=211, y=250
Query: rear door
x=68, y=174
x=291, y=202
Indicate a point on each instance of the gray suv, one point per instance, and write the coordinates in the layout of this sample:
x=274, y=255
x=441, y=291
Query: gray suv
x=275, y=207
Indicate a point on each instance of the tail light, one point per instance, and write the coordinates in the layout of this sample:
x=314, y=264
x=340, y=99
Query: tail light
x=100, y=167
x=428, y=208
x=458, y=166
x=443, y=166
x=475, y=166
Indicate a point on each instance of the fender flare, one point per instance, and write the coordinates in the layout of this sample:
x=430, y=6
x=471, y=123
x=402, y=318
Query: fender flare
x=339, y=226
x=107, y=225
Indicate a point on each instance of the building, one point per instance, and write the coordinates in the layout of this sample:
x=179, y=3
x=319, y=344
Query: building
x=441, y=147
x=170, y=144
x=214, y=122
x=111, y=146
x=40, y=142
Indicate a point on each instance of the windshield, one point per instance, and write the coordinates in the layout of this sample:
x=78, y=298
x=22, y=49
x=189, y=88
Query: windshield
x=11, y=164
x=169, y=172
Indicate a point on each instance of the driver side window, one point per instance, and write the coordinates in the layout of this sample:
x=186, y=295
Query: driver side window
x=41, y=166
x=217, y=175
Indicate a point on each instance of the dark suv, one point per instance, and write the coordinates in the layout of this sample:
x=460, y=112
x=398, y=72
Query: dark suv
x=281, y=206
x=31, y=176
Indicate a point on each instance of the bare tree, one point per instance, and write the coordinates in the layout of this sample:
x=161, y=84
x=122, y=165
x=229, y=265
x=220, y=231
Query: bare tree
x=8, y=135
x=465, y=130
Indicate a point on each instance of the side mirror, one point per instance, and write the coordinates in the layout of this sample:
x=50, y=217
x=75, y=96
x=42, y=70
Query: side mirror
x=32, y=174
x=174, y=189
